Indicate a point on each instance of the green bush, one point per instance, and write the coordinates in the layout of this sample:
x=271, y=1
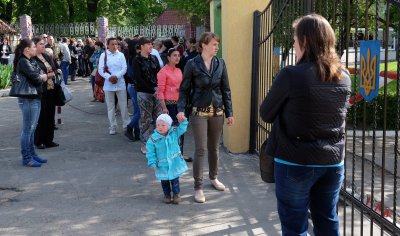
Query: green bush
x=5, y=72
x=391, y=111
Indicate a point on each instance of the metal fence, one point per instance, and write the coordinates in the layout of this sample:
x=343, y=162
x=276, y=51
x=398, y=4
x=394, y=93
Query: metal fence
x=370, y=191
x=84, y=29
x=81, y=29
x=164, y=31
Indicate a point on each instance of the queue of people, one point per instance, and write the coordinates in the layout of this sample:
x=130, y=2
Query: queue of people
x=191, y=87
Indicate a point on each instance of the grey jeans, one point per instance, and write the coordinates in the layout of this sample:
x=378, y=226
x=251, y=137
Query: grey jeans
x=207, y=132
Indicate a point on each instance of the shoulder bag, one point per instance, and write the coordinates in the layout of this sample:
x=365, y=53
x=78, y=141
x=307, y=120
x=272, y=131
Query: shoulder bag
x=21, y=87
x=99, y=80
x=266, y=164
x=60, y=97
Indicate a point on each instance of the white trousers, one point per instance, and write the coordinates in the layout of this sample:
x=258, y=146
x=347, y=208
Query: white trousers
x=123, y=107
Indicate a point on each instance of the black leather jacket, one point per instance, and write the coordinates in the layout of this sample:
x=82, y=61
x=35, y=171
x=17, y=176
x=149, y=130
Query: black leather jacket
x=31, y=71
x=200, y=88
x=308, y=115
x=145, y=73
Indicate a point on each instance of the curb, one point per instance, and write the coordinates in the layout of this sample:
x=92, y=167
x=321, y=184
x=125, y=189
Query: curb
x=4, y=92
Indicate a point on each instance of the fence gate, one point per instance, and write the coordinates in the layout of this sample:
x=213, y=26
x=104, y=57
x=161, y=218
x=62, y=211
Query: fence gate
x=369, y=194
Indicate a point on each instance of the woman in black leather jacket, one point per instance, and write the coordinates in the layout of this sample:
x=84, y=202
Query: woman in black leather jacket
x=30, y=106
x=307, y=105
x=44, y=134
x=205, y=88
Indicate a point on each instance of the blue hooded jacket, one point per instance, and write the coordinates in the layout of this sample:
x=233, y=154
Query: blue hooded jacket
x=163, y=152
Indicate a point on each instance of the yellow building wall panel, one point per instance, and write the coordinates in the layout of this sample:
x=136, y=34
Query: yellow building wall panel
x=237, y=30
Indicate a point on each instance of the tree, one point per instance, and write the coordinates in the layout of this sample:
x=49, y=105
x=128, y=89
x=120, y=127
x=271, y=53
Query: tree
x=193, y=9
x=122, y=12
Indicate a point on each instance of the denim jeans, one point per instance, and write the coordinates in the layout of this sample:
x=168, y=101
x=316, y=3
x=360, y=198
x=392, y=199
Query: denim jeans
x=167, y=184
x=92, y=80
x=136, y=112
x=30, y=115
x=301, y=188
x=65, y=71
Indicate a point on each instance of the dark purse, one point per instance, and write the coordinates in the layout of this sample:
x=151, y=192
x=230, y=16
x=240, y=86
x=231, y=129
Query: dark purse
x=60, y=97
x=266, y=164
x=98, y=79
x=21, y=87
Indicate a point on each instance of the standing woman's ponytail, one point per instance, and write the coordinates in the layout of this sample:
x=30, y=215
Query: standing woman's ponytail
x=24, y=43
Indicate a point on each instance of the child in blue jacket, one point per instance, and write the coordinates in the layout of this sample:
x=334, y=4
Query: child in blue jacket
x=164, y=156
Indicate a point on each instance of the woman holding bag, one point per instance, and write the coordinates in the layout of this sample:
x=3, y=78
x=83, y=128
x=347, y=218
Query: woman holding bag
x=30, y=106
x=44, y=134
x=94, y=59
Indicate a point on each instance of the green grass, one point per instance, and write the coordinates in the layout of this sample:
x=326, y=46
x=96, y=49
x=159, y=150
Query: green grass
x=392, y=66
x=5, y=72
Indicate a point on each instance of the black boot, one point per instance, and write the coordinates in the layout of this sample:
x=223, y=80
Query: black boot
x=129, y=133
x=137, y=134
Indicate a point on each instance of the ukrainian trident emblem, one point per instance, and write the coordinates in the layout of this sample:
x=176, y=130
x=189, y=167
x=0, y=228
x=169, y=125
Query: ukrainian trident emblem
x=369, y=80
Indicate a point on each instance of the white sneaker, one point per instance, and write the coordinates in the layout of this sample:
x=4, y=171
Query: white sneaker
x=199, y=196
x=217, y=185
x=113, y=131
x=143, y=149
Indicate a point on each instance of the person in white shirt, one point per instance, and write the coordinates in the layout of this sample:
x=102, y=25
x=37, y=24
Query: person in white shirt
x=66, y=60
x=114, y=83
x=5, y=51
x=154, y=52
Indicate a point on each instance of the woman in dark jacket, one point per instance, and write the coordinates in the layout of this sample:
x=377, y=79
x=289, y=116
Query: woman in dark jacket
x=145, y=69
x=307, y=106
x=5, y=51
x=44, y=134
x=30, y=106
x=73, y=68
x=205, y=86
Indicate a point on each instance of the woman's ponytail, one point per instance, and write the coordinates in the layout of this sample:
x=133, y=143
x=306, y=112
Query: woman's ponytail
x=24, y=43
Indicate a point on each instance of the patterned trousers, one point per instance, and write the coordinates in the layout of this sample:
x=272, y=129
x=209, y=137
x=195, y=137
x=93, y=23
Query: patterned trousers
x=150, y=109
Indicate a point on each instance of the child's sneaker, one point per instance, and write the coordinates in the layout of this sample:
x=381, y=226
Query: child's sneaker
x=167, y=199
x=39, y=159
x=31, y=163
x=177, y=198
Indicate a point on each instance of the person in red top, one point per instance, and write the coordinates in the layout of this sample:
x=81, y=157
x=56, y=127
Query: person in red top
x=169, y=79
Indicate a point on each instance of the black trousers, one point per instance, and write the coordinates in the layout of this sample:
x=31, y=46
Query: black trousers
x=4, y=61
x=44, y=133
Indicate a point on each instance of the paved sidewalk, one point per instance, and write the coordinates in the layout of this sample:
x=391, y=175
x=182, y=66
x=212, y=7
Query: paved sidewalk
x=98, y=184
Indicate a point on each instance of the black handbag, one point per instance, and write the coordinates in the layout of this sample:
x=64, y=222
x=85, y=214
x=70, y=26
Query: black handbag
x=60, y=97
x=21, y=87
x=266, y=164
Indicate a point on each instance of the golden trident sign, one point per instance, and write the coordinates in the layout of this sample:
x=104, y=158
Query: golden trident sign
x=368, y=73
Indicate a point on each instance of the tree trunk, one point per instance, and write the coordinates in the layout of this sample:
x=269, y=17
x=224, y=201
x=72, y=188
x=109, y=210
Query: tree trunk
x=92, y=9
x=71, y=10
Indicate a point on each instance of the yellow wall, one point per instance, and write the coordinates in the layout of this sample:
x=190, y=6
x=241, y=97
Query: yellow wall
x=237, y=31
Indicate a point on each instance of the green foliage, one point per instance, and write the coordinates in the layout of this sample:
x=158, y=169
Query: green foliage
x=391, y=112
x=121, y=12
x=392, y=105
x=198, y=9
x=5, y=72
